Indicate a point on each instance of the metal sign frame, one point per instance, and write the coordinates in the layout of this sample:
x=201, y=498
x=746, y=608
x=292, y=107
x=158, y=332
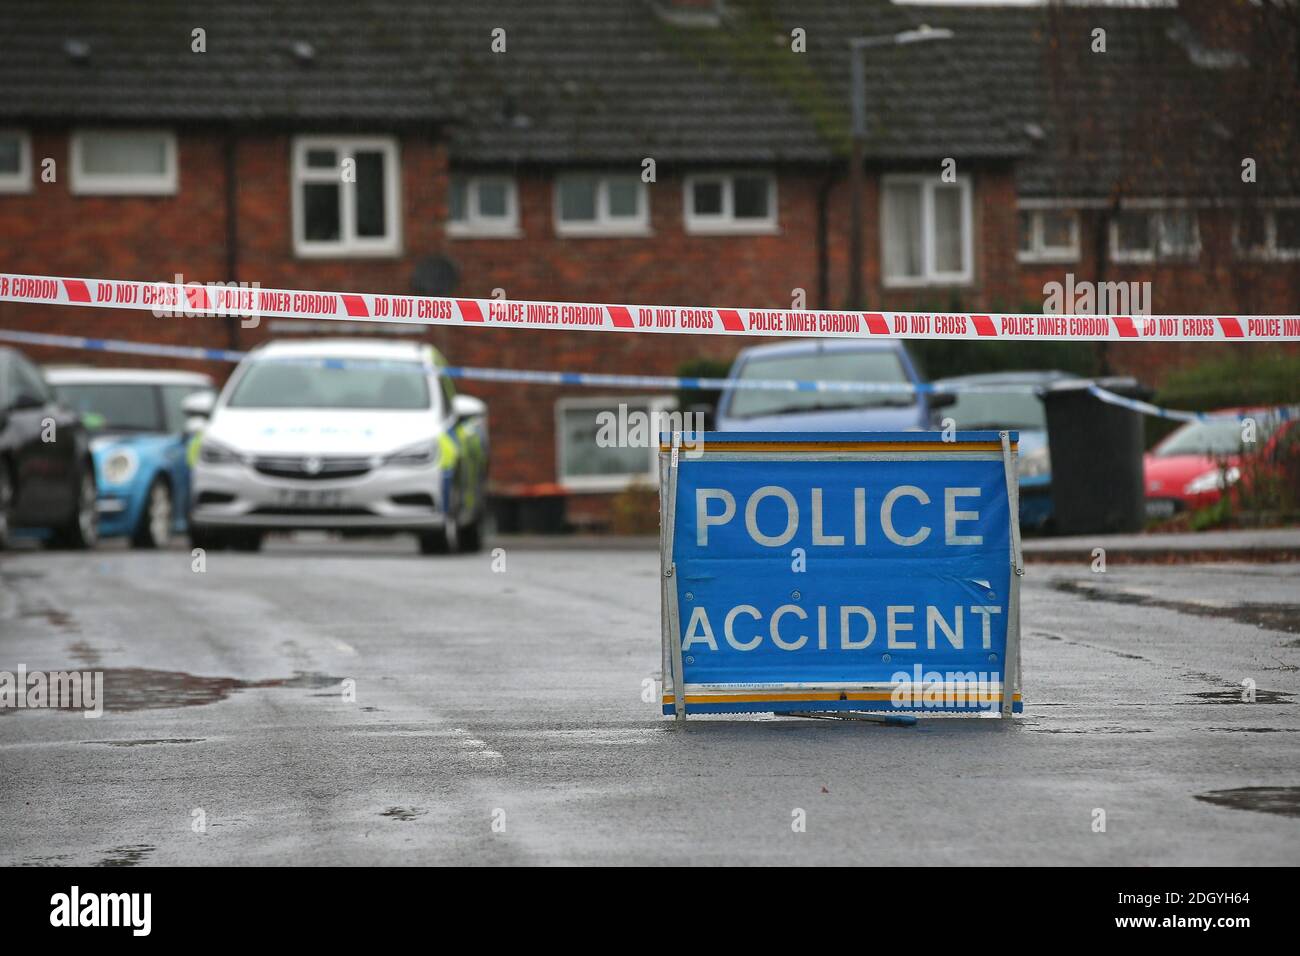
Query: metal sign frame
x=830, y=446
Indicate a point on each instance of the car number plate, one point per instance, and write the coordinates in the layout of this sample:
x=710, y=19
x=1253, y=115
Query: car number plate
x=309, y=498
x=1160, y=507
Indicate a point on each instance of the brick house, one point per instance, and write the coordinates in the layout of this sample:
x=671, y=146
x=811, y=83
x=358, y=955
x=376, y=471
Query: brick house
x=504, y=145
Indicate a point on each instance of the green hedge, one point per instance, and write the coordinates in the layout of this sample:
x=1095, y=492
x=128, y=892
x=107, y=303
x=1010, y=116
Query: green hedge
x=1272, y=379
x=701, y=367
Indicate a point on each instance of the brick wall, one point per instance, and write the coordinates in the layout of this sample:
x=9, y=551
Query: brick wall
x=51, y=231
x=1217, y=281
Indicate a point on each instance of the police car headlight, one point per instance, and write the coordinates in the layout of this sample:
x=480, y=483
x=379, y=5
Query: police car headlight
x=118, y=467
x=1036, y=464
x=215, y=453
x=422, y=453
x=1215, y=480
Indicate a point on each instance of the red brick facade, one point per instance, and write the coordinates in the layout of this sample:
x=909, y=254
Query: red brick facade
x=49, y=230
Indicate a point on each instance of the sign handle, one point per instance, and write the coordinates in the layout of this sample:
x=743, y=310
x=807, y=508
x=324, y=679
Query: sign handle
x=1011, y=662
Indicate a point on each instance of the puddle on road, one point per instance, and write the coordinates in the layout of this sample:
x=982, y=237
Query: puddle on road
x=1253, y=730
x=1280, y=800
x=55, y=618
x=137, y=688
x=147, y=742
x=405, y=814
x=14, y=575
x=1234, y=696
x=1091, y=730
x=85, y=654
x=127, y=855
x=1284, y=618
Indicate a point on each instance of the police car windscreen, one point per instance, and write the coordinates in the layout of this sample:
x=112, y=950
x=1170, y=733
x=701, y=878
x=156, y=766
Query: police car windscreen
x=332, y=383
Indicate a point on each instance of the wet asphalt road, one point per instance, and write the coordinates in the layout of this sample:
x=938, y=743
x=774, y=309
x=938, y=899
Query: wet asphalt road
x=515, y=698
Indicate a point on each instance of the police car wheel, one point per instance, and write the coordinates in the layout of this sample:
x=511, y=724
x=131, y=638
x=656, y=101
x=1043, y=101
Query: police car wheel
x=206, y=538
x=471, y=535
x=247, y=541
x=444, y=540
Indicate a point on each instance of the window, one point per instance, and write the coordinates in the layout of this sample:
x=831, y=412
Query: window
x=591, y=204
x=595, y=455
x=483, y=206
x=730, y=202
x=124, y=162
x=1049, y=235
x=345, y=197
x=925, y=227
x=1145, y=235
x=1272, y=234
x=15, y=162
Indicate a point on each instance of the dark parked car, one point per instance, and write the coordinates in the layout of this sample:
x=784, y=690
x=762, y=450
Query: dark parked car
x=47, y=479
x=981, y=405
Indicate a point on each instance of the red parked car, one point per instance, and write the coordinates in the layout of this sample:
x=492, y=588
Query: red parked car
x=1193, y=465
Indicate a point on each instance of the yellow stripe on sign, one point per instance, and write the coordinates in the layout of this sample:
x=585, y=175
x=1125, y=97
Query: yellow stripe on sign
x=786, y=696
x=814, y=446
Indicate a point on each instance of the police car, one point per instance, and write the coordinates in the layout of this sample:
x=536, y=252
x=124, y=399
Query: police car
x=339, y=434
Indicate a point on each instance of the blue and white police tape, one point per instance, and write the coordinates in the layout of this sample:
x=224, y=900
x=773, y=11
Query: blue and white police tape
x=522, y=376
x=601, y=380
x=117, y=345
x=1282, y=412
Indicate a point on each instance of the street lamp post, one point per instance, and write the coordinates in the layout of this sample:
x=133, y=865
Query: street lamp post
x=857, y=156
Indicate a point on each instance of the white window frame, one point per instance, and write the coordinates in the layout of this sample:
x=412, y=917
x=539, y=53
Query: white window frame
x=348, y=244
x=1156, y=252
x=475, y=225
x=93, y=184
x=725, y=222
x=1038, y=252
x=603, y=224
x=930, y=277
x=1270, y=252
x=21, y=181
x=608, y=483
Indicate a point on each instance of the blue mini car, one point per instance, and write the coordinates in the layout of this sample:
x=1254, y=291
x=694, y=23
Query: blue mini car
x=138, y=438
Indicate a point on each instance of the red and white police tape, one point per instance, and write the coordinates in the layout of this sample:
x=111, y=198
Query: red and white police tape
x=218, y=299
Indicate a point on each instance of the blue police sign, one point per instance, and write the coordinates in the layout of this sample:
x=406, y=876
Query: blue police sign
x=840, y=572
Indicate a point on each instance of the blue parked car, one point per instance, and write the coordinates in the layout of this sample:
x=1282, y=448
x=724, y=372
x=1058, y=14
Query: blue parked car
x=1019, y=407
x=138, y=443
x=827, y=360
